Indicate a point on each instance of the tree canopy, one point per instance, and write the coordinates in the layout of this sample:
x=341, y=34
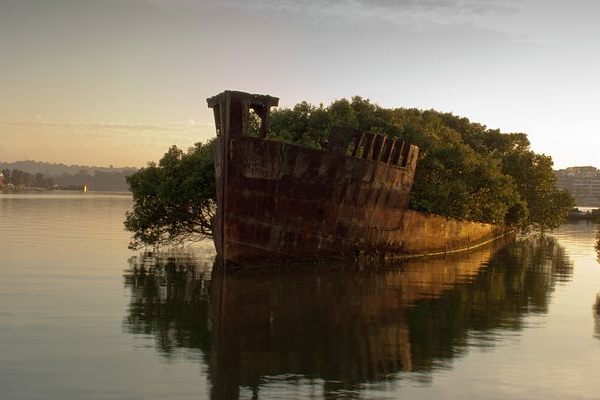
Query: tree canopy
x=173, y=201
x=465, y=171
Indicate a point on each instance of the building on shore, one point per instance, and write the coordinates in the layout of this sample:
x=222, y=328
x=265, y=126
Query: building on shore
x=582, y=182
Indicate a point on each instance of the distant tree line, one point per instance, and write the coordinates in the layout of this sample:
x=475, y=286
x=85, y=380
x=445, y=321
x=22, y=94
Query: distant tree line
x=58, y=169
x=465, y=171
x=20, y=178
x=97, y=180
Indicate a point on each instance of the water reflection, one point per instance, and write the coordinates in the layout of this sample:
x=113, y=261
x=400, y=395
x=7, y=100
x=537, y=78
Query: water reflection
x=169, y=299
x=597, y=317
x=597, y=303
x=335, y=329
x=598, y=243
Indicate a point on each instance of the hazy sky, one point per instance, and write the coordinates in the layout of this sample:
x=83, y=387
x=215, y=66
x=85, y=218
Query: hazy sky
x=118, y=81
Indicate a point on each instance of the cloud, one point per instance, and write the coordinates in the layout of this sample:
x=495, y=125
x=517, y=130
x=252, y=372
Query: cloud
x=404, y=12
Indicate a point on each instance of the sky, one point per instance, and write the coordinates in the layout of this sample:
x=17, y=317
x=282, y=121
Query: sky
x=119, y=81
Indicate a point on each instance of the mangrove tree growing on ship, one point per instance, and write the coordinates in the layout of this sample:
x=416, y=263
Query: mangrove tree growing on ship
x=465, y=171
x=173, y=201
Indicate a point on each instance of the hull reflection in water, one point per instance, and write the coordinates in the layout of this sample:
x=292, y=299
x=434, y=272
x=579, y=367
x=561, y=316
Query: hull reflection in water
x=597, y=324
x=338, y=329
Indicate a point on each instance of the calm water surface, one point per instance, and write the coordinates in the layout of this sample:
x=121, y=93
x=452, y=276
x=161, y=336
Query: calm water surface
x=83, y=317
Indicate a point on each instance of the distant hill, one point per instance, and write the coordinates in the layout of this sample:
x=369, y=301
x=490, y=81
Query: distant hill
x=54, y=169
x=96, y=178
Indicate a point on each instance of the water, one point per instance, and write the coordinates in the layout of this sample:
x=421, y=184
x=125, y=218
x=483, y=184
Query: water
x=83, y=317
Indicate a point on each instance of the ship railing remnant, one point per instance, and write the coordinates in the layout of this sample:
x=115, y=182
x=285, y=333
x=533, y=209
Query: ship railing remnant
x=231, y=110
x=371, y=146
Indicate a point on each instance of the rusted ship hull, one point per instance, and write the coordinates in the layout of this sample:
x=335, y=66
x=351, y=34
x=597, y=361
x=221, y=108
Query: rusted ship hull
x=283, y=200
x=279, y=201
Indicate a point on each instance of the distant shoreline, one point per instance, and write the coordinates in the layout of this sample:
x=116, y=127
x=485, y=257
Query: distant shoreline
x=33, y=190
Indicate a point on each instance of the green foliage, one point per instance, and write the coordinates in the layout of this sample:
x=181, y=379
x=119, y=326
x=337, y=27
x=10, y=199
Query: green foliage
x=304, y=124
x=532, y=173
x=173, y=202
x=465, y=170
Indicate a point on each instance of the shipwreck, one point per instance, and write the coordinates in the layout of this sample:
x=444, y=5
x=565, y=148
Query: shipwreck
x=280, y=201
